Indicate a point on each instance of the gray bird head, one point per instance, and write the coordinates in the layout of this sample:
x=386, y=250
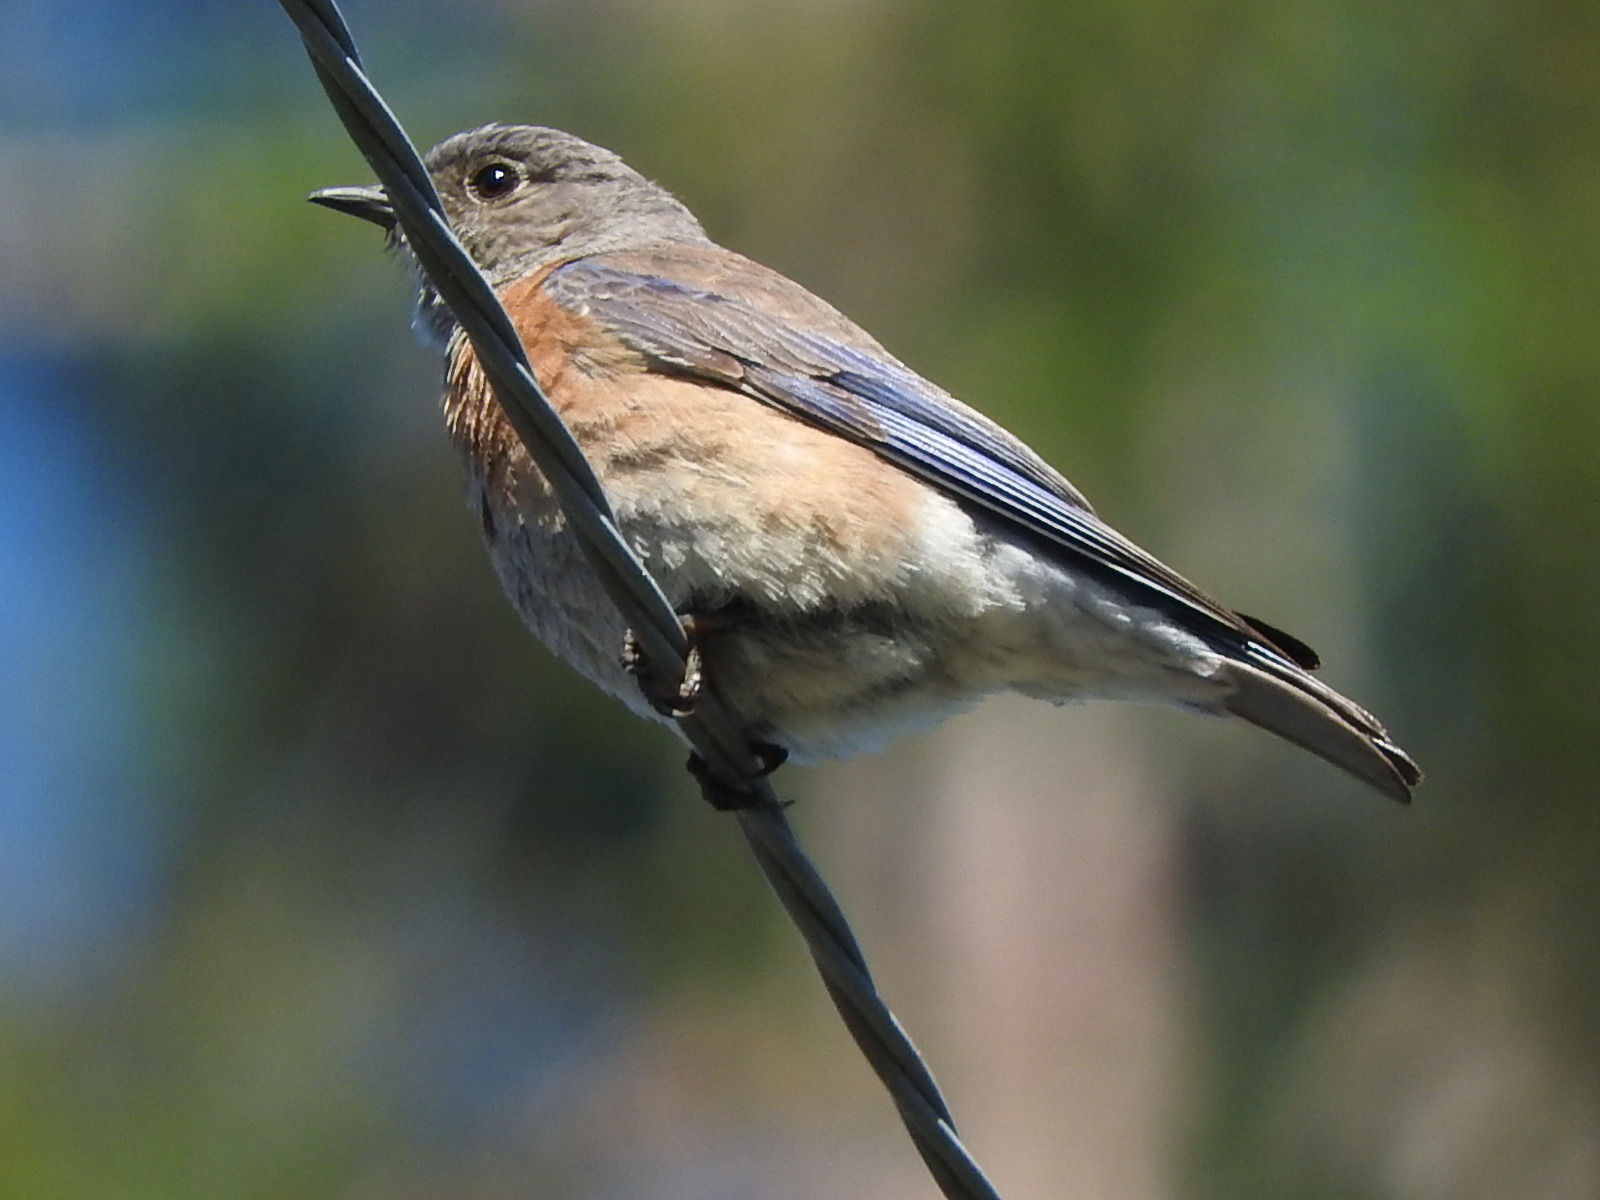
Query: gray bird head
x=522, y=197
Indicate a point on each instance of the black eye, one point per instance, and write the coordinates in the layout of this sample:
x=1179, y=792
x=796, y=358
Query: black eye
x=495, y=180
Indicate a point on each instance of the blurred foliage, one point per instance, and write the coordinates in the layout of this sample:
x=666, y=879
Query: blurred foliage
x=1304, y=295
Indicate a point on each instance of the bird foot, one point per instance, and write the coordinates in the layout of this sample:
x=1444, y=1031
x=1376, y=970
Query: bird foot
x=724, y=797
x=673, y=699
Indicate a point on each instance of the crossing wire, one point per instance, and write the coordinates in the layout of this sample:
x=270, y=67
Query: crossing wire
x=716, y=733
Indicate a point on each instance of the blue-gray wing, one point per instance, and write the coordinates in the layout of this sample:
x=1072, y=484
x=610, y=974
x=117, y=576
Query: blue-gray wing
x=741, y=326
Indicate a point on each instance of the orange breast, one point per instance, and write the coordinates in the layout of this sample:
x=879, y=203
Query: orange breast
x=679, y=452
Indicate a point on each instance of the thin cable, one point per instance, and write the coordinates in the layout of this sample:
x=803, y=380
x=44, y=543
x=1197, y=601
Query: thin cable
x=715, y=733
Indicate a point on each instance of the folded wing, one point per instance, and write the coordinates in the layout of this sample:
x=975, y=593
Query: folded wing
x=707, y=313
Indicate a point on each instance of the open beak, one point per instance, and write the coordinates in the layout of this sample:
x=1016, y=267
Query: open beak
x=368, y=203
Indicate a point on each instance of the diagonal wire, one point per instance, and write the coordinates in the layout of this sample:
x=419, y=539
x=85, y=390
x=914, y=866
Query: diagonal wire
x=716, y=733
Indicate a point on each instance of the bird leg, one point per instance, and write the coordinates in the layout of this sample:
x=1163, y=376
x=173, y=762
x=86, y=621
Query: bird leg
x=675, y=699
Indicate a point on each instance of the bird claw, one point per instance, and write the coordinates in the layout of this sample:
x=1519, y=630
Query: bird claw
x=672, y=699
x=725, y=797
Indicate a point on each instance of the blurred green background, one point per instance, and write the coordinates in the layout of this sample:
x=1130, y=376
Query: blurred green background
x=318, y=878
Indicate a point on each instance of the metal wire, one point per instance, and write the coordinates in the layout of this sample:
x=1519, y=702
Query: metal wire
x=716, y=733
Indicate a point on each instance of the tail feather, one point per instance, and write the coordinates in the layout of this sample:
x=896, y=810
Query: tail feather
x=1305, y=711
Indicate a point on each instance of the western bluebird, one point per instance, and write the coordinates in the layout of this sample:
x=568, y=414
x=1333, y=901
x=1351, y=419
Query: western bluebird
x=855, y=552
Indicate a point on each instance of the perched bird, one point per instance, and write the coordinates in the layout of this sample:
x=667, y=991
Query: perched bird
x=855, y=552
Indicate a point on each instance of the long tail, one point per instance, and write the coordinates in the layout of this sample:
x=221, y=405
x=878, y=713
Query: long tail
x=1287, y=701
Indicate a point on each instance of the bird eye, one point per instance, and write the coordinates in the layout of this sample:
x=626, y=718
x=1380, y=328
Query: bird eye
x=494, y=181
